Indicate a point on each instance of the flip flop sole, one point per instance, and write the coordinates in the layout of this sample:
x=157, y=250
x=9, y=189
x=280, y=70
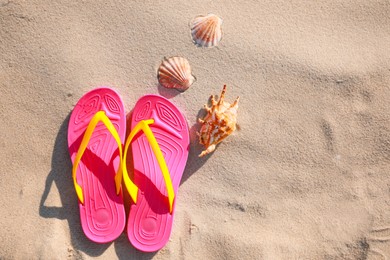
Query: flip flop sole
x=102, y=215
x=150, y=223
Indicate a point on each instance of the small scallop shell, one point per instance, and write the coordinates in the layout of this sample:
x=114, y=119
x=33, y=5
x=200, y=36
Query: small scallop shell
x=175, y=72
x=206, y=30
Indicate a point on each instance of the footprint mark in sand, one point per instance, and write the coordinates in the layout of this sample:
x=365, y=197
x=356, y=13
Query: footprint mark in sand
x=4, y=3
x=366, y=96
x=185, y=225
x=329, y=135
x=379, y=238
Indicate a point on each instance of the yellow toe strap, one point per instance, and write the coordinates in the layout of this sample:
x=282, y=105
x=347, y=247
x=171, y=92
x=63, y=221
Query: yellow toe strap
x=132, y=189
x=98, y=117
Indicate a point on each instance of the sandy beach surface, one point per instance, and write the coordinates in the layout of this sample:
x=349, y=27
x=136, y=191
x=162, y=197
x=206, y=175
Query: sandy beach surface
x=306, y=177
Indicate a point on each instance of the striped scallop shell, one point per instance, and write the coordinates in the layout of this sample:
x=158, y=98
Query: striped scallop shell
x=206, y=30
x=175, y=72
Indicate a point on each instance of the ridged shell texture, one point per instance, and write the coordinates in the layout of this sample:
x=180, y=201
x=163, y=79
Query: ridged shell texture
x=175, y=72
x=206, y=30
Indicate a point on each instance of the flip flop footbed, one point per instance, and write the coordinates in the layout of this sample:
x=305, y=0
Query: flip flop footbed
x=102, y=214
x=150, y=222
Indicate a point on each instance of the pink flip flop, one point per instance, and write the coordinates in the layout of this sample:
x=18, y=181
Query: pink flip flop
x=97, y=128
x=160, y=144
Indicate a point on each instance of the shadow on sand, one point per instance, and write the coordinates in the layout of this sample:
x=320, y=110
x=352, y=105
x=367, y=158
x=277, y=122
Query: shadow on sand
x=166, y=92
x=194, y=162
x=61, y=176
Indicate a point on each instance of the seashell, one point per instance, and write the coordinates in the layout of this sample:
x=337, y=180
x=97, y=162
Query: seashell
x=206, y=30
x=175, y=72
x=219, y=123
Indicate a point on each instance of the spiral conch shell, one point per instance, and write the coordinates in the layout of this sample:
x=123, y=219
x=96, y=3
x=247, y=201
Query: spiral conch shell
x=175, y=72
x=219, y=123
x=206, y=30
